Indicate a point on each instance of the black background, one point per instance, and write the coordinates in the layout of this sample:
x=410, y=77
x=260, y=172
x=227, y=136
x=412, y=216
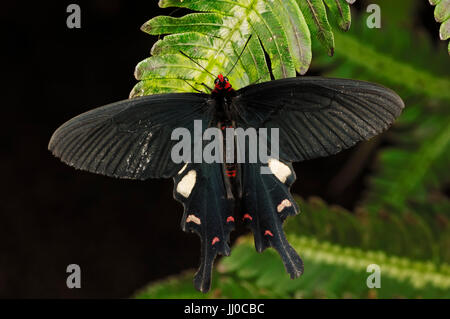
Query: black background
x=122, y=233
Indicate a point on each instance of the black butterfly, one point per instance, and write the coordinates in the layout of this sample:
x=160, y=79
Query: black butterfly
x=315, y=116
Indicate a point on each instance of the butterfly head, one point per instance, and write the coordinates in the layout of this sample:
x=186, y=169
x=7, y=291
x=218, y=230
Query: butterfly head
x=222, y=83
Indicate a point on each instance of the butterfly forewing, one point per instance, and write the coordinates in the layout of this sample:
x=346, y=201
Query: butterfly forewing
x=318, y=116
x=130, y=138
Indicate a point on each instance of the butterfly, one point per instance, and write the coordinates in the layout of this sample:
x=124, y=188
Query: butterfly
x=315, y=117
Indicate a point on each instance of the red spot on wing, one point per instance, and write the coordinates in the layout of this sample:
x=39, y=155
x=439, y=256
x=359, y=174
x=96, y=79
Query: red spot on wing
x=230, y=219
x=215, y=240
x=268, y=233
x=247, y=216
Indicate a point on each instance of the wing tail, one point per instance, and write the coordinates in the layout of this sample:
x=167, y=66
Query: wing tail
x=200, y=188
x=267, y=202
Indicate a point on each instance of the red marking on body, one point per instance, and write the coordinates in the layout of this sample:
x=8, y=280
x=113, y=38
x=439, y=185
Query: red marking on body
x=247, y=216
x=215, y=240
x=230, y=219
x=221, y=84
x=231, y=173
x=268, y=232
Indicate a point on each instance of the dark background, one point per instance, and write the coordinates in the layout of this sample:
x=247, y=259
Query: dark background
x=122, y=233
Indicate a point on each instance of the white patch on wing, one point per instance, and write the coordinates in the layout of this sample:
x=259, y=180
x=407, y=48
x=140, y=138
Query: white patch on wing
x=194, y=219
x=284, y=203
x=187, y=183
x=280, y=170
x=182, y=170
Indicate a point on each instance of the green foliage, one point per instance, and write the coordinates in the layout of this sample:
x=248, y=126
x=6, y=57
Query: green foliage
x=442, y=15
x=402, y=221
x=216, y=32
x=407, y=172
x=337, y=246
x=379, y=231
x=363, y=54
x=416, y=162
x=332, y=271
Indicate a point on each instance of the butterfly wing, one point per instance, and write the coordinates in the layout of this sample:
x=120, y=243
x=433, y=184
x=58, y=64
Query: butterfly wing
x=318, y=116
x=207, y=212
x=315, y=117
x=266, y=203
x=130, y=138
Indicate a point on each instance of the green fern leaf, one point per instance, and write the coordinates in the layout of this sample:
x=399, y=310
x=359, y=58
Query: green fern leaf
x=334, y=271
x=216, y=32
x=316, y=17
x=442, y=15
x=341, y=13
x=406, y=174
x=425, y=225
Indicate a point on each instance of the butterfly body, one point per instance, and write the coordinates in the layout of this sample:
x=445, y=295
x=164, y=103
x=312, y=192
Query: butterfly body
x=225, y=112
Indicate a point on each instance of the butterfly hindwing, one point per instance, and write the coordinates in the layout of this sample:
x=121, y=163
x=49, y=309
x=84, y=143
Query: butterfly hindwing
x=207, y=212
x=266, y=203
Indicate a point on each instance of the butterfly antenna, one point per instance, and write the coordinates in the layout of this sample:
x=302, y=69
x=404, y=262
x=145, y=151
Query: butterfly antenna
x=187, y=56
x=194, y=88
x=239, y=57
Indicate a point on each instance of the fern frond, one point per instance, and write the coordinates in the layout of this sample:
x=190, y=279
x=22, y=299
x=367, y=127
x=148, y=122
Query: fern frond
x=390, y=70
x=333, y=271
x=423, y=233
x=215, y=33
x=442, y=15
x=407, y=172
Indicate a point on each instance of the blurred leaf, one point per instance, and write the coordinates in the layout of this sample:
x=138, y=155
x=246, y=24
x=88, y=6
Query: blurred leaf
x=394, y=71
x=405, y=174
x=417, y=158
x=333, y=271
x=426, y=226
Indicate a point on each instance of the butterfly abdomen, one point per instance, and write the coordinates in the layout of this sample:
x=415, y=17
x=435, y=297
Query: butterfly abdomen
x=231, y=169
